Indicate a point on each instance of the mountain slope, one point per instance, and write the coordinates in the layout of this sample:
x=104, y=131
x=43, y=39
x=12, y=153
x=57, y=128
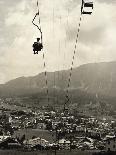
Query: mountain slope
x=90, y=78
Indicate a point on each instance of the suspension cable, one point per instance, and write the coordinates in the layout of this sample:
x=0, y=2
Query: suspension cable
x=75, y=47
x=46, y=78
x=73, y=58
x=43, y=56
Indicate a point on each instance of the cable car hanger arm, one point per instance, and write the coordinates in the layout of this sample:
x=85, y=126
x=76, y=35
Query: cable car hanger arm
x=39, y=28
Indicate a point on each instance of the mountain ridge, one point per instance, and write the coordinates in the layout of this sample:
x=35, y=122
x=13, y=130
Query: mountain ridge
x=91, y=78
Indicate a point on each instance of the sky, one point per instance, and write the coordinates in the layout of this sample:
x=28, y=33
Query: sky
x=59, y=24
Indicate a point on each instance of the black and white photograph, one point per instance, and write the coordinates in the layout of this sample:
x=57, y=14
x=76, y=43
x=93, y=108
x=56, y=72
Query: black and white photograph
x=57, y=77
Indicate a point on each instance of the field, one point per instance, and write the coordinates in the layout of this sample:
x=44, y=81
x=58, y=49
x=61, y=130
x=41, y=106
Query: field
x=9, y=152
x=29, y=133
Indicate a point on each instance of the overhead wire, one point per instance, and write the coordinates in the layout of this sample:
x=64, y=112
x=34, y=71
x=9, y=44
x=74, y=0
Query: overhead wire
x=54, y=87
x=75, y=49
x=73, y=58
x=43, y=56
x=46, y=78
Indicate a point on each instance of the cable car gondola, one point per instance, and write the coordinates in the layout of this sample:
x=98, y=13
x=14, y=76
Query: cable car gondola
x=37, y=46
x=85, y=5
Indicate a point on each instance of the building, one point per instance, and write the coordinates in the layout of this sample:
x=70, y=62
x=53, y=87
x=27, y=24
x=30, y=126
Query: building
x=64, y=144
x=9, y=143
x=111, y=144
x=36, y=142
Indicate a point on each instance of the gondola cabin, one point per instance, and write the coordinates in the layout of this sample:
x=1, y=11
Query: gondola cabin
x=87, y=7
x=37, y=46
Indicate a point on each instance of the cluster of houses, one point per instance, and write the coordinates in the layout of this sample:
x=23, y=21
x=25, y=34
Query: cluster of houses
x=71, y=132
x=8, y=142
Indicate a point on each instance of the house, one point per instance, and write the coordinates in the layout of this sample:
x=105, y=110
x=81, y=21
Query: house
x=64, y=144
x=3, y=138
x=80, y=128
x=41, y=126
x=9, y=143
x=87, y=140
x=36, y=143
x=110, y=144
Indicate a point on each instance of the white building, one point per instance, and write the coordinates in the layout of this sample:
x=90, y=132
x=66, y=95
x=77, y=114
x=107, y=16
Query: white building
x=64, y=144
x=3, y=138
x=36, y=141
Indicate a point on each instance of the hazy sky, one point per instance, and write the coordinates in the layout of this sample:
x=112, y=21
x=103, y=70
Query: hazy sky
x=59, y=21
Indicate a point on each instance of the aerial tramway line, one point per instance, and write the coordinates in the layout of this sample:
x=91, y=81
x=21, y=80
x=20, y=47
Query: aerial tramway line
x=86, y=9
x=38, y=46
